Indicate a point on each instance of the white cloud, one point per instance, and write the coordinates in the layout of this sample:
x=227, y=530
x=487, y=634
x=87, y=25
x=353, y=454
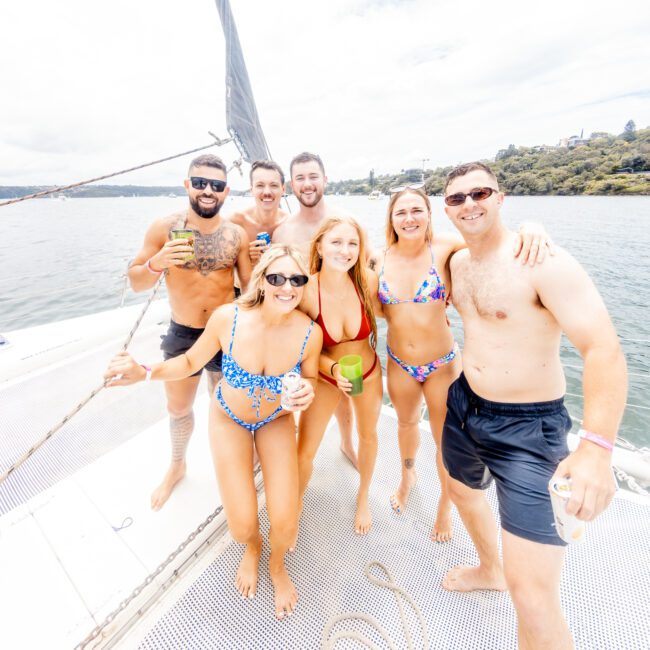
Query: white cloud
x=90, y=87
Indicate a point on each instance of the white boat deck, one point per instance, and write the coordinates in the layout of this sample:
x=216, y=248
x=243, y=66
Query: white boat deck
x=64, y=567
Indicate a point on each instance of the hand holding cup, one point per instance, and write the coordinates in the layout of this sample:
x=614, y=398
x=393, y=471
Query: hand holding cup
x=351, y=366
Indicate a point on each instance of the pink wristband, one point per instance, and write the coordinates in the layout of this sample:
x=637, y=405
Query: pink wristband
x=596, y=439
x=151, y=269
x=147, y=369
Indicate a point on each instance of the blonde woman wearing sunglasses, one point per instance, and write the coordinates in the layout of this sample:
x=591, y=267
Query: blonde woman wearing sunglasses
x=246, y=408
x=423, y=358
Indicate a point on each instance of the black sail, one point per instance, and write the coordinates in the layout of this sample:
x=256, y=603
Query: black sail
x=242, y=119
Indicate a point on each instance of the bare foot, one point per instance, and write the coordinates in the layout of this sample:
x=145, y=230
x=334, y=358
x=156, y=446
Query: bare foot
x=246, y=579
x=285, y=595
x=363, y=518
x=347, y=449
x=174, y=474
x=400, y=497
x=473, y=578
x=441, y=531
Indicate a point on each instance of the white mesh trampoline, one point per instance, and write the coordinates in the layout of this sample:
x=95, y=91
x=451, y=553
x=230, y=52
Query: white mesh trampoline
x=604, y=587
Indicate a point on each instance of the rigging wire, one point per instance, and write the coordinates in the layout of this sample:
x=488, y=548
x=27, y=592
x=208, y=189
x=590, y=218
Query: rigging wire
x=217, y=143
x=93, y=393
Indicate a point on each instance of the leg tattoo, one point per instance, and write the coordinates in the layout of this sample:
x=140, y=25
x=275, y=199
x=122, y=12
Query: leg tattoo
x=409, y=463
x=180, y=430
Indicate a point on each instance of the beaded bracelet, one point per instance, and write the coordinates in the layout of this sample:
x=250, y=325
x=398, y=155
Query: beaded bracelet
x=596, y=439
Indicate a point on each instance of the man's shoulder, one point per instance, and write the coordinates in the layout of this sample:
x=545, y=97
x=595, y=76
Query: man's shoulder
x=238, y=217
x=161, y=226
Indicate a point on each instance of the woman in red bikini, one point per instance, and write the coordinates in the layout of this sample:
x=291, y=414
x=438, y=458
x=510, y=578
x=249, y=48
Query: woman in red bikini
x=339, y=298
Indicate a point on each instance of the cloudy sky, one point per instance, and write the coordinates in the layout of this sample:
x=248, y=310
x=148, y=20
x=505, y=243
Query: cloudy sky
x=89, y=87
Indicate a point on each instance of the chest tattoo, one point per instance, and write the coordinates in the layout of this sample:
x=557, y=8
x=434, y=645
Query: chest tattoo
x=216, y=251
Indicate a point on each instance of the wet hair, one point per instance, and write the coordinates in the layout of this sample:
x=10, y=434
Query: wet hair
x=306, y=157
x=254, y=294
x=357, y=273
x=391, y=235
x=266, y=164
x=207, y=160
x=466, y=168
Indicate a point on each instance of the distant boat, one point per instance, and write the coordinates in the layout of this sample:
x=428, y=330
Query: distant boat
x=374, y=195
x=171, y=195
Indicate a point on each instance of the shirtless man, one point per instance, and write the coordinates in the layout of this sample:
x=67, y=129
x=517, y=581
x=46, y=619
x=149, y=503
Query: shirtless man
x=267, y=187
x=196, y=287
x=506, y=418
x=308, y=182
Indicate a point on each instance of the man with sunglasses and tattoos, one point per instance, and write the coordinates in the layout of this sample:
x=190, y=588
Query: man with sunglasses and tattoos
x=505, y=415
x=196, y=287
x=308, y=181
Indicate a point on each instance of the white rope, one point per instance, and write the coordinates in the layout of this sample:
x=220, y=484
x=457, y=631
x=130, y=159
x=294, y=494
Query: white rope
x=330, y=639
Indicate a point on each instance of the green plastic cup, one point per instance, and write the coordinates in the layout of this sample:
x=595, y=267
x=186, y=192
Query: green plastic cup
x=352, y=369
x=185, y=234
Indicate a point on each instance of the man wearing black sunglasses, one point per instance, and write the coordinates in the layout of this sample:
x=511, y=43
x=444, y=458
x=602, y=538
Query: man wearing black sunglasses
x=505, y=415
x=199, y=278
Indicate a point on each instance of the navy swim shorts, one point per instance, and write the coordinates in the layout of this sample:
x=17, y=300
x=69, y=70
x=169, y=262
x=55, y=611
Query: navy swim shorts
x=179, y=339
x=517, y=445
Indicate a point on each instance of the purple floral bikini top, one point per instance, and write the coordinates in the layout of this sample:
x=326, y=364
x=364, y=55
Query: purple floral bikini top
x=430, y=290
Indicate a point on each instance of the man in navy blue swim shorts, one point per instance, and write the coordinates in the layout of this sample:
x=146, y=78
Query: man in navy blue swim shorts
x=199, y=278
x=506, y=421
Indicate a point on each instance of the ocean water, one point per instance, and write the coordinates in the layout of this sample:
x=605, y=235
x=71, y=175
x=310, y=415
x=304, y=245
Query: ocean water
x=63, y=259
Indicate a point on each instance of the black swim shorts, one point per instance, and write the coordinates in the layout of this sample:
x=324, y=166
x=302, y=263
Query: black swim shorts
x=179, y=339
x=517, y=445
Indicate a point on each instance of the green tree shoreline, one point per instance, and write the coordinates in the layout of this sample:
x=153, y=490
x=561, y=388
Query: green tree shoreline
x=604, y=164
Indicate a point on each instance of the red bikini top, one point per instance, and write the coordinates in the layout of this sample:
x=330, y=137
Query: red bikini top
x=364, y=328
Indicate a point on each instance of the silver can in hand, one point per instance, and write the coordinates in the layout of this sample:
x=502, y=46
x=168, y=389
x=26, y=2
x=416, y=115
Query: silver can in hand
x=290, y=384
x=568, y=527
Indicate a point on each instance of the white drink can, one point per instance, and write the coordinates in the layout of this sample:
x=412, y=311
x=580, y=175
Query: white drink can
x=568, y=527
x=290, y=384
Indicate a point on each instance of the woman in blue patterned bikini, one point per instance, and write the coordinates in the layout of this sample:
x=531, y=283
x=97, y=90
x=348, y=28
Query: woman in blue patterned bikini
x=246, y=409
x=423, y=359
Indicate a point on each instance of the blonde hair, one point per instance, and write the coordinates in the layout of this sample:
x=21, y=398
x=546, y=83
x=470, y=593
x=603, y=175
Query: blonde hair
x=254, y=294
x=391, y=235
x=357, y=273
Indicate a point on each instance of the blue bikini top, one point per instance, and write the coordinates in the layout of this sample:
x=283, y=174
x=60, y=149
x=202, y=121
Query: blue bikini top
x=267, y=386
x=430, y=290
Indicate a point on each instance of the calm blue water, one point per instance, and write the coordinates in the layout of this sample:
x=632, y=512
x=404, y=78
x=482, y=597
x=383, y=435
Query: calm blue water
x=65, y=258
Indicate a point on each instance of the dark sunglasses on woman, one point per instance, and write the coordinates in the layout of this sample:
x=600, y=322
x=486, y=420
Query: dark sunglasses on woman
x=278, y=280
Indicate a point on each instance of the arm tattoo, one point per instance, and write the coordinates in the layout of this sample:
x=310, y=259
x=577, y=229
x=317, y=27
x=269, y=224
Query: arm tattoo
x=216, y=251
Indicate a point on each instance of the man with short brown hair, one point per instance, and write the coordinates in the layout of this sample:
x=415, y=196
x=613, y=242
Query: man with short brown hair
x=308, y=182
x=505, y=415
x=267, y=187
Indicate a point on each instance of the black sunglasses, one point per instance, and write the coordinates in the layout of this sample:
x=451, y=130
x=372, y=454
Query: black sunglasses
x=278, y=280
x=199, y=183
x=477, y=194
